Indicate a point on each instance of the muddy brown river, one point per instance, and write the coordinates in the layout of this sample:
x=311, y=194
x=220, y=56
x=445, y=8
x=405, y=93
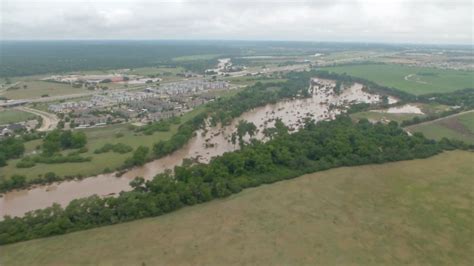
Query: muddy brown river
x=214, y=141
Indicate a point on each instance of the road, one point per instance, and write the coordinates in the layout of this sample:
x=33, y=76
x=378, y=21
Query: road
x=50, y=121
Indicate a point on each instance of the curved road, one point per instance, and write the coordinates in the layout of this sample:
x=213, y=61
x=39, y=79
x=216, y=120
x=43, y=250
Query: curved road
x=50, y=121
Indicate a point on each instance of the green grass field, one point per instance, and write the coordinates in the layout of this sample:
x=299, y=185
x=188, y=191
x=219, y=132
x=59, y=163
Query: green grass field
x=459, y=127
x=422, y=80
x=416, y=212
x=13, y=116
x=96, y=138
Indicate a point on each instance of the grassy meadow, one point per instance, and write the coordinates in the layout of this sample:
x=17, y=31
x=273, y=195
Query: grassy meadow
x=460, y=127
x=415, y=212
x=414, y=80
x=38, y=88
x=13, y=116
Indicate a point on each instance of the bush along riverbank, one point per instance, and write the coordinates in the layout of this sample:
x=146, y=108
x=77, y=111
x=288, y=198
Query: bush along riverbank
x=314, y=148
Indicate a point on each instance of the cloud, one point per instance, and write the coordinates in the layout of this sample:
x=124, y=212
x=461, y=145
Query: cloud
x=418, y=21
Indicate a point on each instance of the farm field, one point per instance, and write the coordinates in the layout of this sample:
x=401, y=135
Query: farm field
x=459, y=127
x=415, y=212
x=13, y=116
x=96, y=138
x=414, y=80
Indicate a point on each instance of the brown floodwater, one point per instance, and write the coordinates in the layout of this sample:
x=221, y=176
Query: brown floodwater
x=213, y=141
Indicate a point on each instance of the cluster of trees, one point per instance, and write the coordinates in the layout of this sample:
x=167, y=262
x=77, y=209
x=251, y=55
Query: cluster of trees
x=10, y=148
x=14, y=182
x=118, y=148
x=463, y=98
x=243, y=128
x=20, y=181
x=13, y=148
x=314, y=148
x=53, y=143
x=57, y=140
x=30, y=161
x=139, y=157
x=279, y=129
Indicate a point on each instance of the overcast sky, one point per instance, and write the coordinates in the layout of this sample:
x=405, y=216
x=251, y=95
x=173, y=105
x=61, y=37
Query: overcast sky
x=413, y=21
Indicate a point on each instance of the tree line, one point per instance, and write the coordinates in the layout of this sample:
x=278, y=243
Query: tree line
x=31, y=57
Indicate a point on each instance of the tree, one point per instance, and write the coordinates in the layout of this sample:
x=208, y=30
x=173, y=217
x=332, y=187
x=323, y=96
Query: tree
x=79, y=140
x=139, y=156
x=52, y=143
x=138, y=183
x=12, y=147
x=18, y=181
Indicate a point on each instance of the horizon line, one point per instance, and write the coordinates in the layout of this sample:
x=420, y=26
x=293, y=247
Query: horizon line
x=243, y=40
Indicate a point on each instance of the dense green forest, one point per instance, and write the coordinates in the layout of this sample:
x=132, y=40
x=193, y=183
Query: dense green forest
x=462, y=98
x=314, y=148
x=21, y=58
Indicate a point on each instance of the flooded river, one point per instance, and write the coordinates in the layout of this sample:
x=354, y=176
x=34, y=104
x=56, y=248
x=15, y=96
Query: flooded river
x=206, y=144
